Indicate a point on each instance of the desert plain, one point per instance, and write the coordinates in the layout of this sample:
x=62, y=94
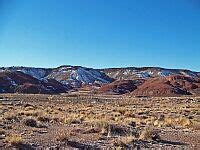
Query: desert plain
x=95, y=121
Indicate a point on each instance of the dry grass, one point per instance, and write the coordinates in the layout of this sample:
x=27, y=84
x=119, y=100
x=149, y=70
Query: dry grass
x=13, y=139
x=62, y=135
x=110, y=117
x=2, y=131
x=149, y=134
x=119, y=112
x=127, y=139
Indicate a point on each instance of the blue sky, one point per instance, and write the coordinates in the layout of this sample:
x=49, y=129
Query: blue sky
x=100, y=33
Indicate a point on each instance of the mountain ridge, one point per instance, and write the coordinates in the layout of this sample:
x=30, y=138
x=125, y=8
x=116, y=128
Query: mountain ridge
x=102, y=68
x=119, y=80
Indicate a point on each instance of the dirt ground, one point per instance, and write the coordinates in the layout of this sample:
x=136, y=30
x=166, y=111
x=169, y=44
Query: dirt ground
x=88, y=121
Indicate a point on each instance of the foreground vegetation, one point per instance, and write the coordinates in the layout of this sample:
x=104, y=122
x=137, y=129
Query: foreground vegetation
x=97, y=121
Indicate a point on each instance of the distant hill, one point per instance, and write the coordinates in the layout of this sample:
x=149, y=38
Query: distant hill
x=145, y=81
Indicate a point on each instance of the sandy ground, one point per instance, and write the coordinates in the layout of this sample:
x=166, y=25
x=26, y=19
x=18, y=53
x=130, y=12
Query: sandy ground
x=98, y=121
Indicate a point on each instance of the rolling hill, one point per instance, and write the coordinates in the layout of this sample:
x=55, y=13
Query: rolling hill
x=145, y=81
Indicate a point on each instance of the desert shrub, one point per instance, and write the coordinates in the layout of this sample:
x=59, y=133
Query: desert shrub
x=169, y=122
x=129, y=114
x=92, y=130
x=57, y=119
x=2, y=131
x=13, y=139
x=100, y=125
x=115, y=130
x=72, y=121
x=195, y=125
x=125, y=140
x=149, y=134
x=161, y=117
x=132, y=123
x=62, y=135
x=43, y=119
x=122, y=111
x=183, y=121
x=118, y=144
x=11, y=117
x=28, y=113
x=30, y=122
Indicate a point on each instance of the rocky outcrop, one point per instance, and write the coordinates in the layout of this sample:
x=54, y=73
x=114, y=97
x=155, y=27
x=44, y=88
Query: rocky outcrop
x=118, y=87
x=168, y=86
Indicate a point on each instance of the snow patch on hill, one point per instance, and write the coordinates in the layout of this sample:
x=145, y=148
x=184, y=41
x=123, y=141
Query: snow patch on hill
x=36, y=73
x=164, y=73
x=87, y=76
x=76, y=76
x=12, y=82
x=189, y=74
x=143, y=74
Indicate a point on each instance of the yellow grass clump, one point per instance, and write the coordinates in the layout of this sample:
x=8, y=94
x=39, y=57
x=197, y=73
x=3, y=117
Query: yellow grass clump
x=13, y=139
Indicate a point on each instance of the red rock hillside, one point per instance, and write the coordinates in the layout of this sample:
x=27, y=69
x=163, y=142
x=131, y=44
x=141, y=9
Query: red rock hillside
x=11, y=82
x=118, y=87
x=168, y=86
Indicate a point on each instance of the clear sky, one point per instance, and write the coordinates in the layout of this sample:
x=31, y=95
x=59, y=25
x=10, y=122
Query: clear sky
x=100, y=33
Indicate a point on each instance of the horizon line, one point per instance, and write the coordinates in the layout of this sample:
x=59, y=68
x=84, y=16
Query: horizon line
x=115, y=67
